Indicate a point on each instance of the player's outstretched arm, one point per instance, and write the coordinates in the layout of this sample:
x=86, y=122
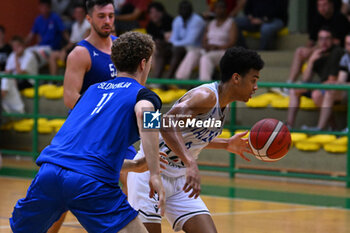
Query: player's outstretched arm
x=150, y=143
x=78, y=63
x=192, y=104
x=235, y=144
x=140, y=165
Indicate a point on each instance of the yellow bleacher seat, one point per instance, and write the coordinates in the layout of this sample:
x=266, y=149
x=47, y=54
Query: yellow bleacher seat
x=335, y=148
x=225, y=134
x=322, y=138
x=307, y=103
x=307, y=146
x=283, y=32
x=297, y=137
x=56, y=93
x=280, y=103
x=28, y=92
x=46, y=88
x=263, y=100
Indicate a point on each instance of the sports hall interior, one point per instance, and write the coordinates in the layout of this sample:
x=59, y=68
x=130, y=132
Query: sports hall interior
x=305, y=191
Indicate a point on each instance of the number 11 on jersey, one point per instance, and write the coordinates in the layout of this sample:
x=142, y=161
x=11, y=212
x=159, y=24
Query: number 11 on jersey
x=102, y=102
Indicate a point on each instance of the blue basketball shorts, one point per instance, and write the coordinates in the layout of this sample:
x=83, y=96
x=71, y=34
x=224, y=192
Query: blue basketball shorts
x=98, y=206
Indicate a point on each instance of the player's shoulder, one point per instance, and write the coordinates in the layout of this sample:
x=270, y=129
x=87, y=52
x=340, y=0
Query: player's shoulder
x=201, y=97
x=79, y=52
x=80, y=56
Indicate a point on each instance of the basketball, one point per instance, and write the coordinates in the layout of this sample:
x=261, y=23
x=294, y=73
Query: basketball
x=269, y=139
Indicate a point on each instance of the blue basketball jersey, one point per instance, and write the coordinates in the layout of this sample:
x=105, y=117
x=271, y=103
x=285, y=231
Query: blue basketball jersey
x=95, y=137
x=102, y=68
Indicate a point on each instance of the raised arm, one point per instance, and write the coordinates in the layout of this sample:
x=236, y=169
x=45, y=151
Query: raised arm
x=150, y=143
x=235, y=144
x=78, y=63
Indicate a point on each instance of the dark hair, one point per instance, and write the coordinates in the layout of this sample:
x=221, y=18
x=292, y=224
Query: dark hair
x=2, y=28
x=18, y=39
x=89, y=4
x=129, y=50
x=78, y=5
x=47, y=2
x=239, y=60
x=185, y=7
x=156, y=5
x=327, y=29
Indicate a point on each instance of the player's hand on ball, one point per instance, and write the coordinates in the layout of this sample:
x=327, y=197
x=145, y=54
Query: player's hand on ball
x=237, y=145
x=193, y=180
x=156, y=186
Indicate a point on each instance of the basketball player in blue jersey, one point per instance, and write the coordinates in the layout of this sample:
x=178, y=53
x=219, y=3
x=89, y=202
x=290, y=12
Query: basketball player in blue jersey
x=90, y=62
x=79, y=170
x=181, y=146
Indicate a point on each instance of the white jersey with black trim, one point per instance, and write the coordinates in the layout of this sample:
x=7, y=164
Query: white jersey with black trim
x=195, y=138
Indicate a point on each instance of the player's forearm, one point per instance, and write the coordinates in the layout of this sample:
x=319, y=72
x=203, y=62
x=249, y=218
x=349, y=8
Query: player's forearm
x=174, y=140
x=150, y=144
x=218, y=143
x=134, y=166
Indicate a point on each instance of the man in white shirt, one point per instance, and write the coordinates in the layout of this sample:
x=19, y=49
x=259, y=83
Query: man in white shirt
x=20, y=61
x=80, y=30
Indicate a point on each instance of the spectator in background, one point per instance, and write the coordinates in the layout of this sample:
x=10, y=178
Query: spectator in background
x=5, y=49
x=345, y=9
x=327, y=16
x=324, y=62
x=326, y=101
x=264, y=16
x=80, y=30
x=21, y=61
x=133, y=14
x=159, y=27
x=233, y=7
x=64, y=9
x=49, y=27
x=220, y=34
x=187, y=32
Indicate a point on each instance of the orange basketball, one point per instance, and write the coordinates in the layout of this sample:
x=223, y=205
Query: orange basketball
x=269, y=139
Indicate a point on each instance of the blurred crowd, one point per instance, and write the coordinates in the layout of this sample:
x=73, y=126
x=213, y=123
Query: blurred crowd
x=189, y=44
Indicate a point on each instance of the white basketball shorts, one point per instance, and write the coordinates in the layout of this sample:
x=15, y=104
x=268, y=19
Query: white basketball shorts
x=178, y=206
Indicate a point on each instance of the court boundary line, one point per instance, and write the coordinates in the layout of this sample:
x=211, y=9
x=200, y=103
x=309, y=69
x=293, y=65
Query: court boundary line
x=276, y=202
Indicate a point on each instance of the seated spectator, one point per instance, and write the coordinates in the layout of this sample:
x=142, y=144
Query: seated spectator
x=327, y=16
x=80, y=30
x=133, y=14
x=21, y=61
x=324, y=62
x=159, y=27
x=220, y=34
x=187, y=32
x=330, y=97
x=49, y=27
x=11, y=99
x=5, y=49
x=233, y=7
x=264, y=16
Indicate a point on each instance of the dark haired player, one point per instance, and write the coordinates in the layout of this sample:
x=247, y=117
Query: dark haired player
x=181, y=146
